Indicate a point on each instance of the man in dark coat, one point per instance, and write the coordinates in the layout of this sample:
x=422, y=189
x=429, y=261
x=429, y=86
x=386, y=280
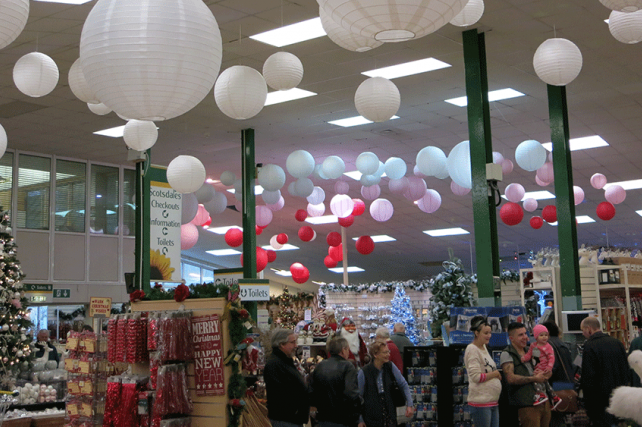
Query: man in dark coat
x=604, y=368
x=45, y=348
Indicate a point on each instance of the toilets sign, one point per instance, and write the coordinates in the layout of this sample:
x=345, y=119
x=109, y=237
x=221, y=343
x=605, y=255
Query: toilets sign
x=254, y=292
x=165, y=205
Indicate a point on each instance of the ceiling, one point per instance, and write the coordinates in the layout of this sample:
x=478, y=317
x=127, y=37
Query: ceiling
x=603, y=100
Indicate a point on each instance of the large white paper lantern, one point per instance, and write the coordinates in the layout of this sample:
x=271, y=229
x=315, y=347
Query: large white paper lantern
x=431, y=161
x=79, y=86
x=189, y=203
x=228, y=178
x=282, y=71
x=185, y=174
x=341, y=205
x=315, y=210
x=271, y=177
x=370, y=193
x=240, y=92
x=377, y=99
x=392, y=20
x=263, y=215
x=317, y=196
x=530, y=155
x=341, y=187
x=395, y=168
x=623, y=5
x=13, y=18
x=345, y=38
x=430, y=202
x=458, y=164
x=303, y=187
x=3, y=141
x=381, y=210
x=470, y=14
x=151, y=60
x=367, y=163
x=99, y=109
x=333, y=167
x=271, y=197
x=626, y=27
x=217, y=205
x=35, y=74
x=300, y=164
x=557, y=61
x=140, y=135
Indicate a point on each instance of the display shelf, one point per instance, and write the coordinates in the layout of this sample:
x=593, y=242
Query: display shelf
x=544, y=279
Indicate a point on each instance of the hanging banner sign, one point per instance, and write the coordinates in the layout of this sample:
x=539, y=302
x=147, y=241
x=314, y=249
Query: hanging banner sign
x=165, y=205
x=99, y=307
x=208, y=356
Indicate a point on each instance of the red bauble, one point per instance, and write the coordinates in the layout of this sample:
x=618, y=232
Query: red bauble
x=359, y=207
x=306, y=233
x=258, y=230
x=347, y=221
x=336, y=252
x=282, y=238
x=303, y=278
x=333, y=239
x=261, y=259
x=301, y=215
x=234, y=237
x=511, y=213
x=300, y=273
x=208, y=222
x=365, y=245
x=271, y=255
x=536, y=222
x=549, y=213
x=605, y=211
x=330, y=262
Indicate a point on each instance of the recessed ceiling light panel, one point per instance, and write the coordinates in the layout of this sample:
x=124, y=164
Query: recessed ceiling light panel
x=495, y=95
x=280, y=96
x=446, y=232
x=291, y=34
x=408, y=68
x=584, y=143
x=351, y=269
x=354, y=121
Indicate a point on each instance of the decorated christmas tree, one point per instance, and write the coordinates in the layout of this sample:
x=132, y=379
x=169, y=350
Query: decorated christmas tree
x=401, y=312
x=286, y=316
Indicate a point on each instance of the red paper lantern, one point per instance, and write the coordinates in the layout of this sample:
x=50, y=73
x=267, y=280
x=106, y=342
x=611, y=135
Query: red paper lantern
x=282, y=238
x=303, y=278
x=511, y=213
x=258, y=230
x=271, y=255
x=359, y=207
x=330, y=262
x=605, y=211
x=301, y=215
x=549, y=213
x=234, y=237
x=347, y=221
x=261, y=259
x=536, y=222
x=208, y=222
x=306, y=233
x=336, y=252
x=365, y=245
x=333, y=239
x=300, y=273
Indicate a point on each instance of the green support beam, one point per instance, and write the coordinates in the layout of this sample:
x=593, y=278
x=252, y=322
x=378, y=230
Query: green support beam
x=140, y=234
x=481, y=153
x=564, y=199
x=248, y=170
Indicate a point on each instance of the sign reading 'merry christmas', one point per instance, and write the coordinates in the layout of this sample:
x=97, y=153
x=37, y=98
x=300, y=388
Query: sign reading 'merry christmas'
x=208, y=356
x=165, y=206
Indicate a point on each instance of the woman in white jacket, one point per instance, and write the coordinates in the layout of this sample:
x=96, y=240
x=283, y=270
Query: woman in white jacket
x=484, y=379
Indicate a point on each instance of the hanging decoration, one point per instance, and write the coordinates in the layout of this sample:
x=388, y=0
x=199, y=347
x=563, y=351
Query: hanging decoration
x=341, y=205
x=227, y=178
x=333, y=167
x=140, y=135
x=99, y=109
x=277, y=206
x=458, y=190
x=381, y=210
x=300, y=273
x=511, y=213
x=333, y=238
x=370, y=193
x=217, y=205
x=365, y=245
x=470, y=14
x=185, y=174
x=336, y=252
x=395, y=168
x=514, y=192
x=605, y=211
x=261, y=259
x=240, y=92
x=271, y=197
x=3, y=141
x=578, y=195
x=316, y=210
x=35, y=74
x=271, y=255
x=189, y=236
x=545, y=173
x=282, y=238
x=201, y=216
x=300, y=164
x=345, y=38
x=623, y=5
x=367, y=163
x=536, y=222
x=189, y=210
x=303, y=187
x=377, y=99
x=234, y=237
x=626, y=27
x=530, y=155
x=205, y=193
x=458, y=164
x=615, y=194
x=13, y=18
x=398, y=186
x=430, y=202
x=507, y=166
x=359, y=207
x=276, y=245
x=300, y=215
x=317, y=196
x=347, y=221
x=341, y=187
x=79, y=86
x=271, y=177
x=598, y=181
x=305, y=233
x=549, y=213
x=530, y=204
x=557, y=61
x=416, y=188
x=330, y=262
x=283, y=71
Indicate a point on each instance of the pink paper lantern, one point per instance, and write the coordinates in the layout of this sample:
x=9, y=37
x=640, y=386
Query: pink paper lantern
x=540, y=182
x=316, y=210
x=371, y=192
x=341, y=187
x=545, y=173
x=201, y=216
x=514, y=192
x=277, y=206
x=398, y=186
x=614, y=194
x=381, y=210
x=417, y=172
x=507, y=166
x=416, y=188
x=598, y=181
x=530, y=205
x=430, y=202
x=341, y=205
x=578, y=195
x=263, y=216
x=458, y=190
x=189, y=236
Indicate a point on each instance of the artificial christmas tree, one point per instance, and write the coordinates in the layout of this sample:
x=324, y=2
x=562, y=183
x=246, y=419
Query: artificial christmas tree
x=286, y=317
x=401, y=312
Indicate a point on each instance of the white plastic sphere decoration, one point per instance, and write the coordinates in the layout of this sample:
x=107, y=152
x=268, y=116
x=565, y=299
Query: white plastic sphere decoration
x=333, y=167
x=271, y=177
x=185, y=174
x=430, y=202
x=228, y=178
x=303, y=187
x=345, y=38
x=470, y=14
x=395, y=168
x=530, y=155
x=99, y=109
x=177, y=56
x=431, y=161
x=381, y=210
x=190, y=208
x=530, y=204
x=458, y=164
x=300, y=164
x=35, y=74
x=623, y=5
x=598, y=181
x=370, y=193
x=189, y=236
x=217, y=205
x=315, y=210
x=317, y=196
x=205, y=193
x=271, y=197
x=283, y=71
x=626, y=27
x=398, y=186
x=79, y=86
x=140, y=135
x=578, y=195
x=514, y=192
x=341, y=205
x=369, y=180
x=13, y=18
x=557, y=61
x=263, y=216
x=416, y=188
x=458, y=190
x=377, y=99
x=341, y=187
x=3, y=141
x=367, y=163
x=615, y=194
x=240, y=92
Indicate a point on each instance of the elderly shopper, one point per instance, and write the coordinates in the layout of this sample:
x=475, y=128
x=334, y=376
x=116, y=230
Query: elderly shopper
x=383, y=334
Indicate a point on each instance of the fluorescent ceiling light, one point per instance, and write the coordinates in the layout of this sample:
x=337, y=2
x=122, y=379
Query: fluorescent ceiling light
x=287, y=95
x=318, y=283
x=583, y=143
x=354, y=121
x=116, y=132
x=286, y=247
x=446, y=232
x=408, y=68
x=223, y=252
x=325, y=219
x=65, y=1
x=380, y=239
x=351, y=269
x=582, y=219
x=495, y=95
x=284, y=273
x=537, y=195
x=223, y=230
x=356, y=175
x=258, y=190
x=291, y=34
x=639, y=212
x=634, y=184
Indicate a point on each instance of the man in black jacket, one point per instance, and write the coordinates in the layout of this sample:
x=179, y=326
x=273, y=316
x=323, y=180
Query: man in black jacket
x=334, y=388
x=604, y=368
x=287, y=394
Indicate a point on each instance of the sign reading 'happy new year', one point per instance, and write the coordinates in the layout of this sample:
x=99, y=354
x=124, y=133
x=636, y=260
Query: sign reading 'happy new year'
x=208, y=356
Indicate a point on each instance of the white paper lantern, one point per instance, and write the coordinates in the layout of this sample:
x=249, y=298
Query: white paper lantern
x=205, y=193
x=626, y=27
x=530, y=155
x=377, y=99
x=598, y=181
x=240, y=92
x=333, y=167
x=458, y=190
x=370, y=193
x=217, y=204
x=431, y=161
x=140, y=135
x=341, y=187
x=557, y=61
x=271, y=177
x=395, y=168
x=318, y=172
x=546, y=172
x=79, y=86
x=271, y=197
x=514, y=192
x=443, y=174
x=623, y=5
x=317, y=196
x=470, y=14
x=190, y=208
x=13, y=18
x=381, y=210
x=99, y=109
x=341, y=205
x=345, y=38
x=615, y=194
x=416, y=188
x=303, y=187
x=185, y=174
x=498, y=158
x=530, y=204
x=507, y=166
x=283, y=71
x=238, y=186
x=380, y=170
x=391, y=21
x=151, y=60
x=367, y=163
x=430, y=202
x=292, y=189
x=3, y=141
x=398, y=186
x=578, y=195
x=35, y=74
x=458, y=164
x=228, y=178
x=368, y=180
x=300, y=164
x=316, y=210
x=278, y=205
x=263, y=216
x=274, y=243
x=189, y=236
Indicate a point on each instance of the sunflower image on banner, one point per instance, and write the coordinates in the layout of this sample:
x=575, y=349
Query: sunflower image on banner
x=160, y=266
x=165, y=206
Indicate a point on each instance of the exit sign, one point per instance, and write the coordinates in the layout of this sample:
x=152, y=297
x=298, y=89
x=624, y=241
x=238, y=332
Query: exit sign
x=62, y=293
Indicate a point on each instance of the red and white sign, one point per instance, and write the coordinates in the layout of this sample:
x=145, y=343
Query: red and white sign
x=208, y=355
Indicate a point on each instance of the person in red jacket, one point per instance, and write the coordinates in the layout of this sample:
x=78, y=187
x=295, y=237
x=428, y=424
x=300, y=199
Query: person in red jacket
x=383, y=334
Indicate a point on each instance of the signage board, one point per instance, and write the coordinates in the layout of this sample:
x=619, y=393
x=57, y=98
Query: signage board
x=99, y=307
x=254, y=292
x=165, y=206
x=208, y=356
x=62, y=293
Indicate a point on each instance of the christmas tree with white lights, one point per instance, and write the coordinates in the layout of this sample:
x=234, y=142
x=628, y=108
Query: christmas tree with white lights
x=401, y=312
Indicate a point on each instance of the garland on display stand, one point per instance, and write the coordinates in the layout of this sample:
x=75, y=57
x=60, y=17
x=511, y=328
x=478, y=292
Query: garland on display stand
x=70, y=316
x=378, y=287
x=293, y=298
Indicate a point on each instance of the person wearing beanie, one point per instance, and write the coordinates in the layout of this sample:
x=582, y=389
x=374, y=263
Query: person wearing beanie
x=542, y=355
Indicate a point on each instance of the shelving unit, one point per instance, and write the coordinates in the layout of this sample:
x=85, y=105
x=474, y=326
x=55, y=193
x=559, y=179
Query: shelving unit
x=544, y=279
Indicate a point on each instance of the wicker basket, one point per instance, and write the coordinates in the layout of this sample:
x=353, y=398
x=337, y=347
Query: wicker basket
x=17, y=422
x=53, y=421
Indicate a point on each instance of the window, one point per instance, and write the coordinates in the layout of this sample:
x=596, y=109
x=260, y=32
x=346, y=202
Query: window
x=208, y=275
x=34, y=176
x=6, y=181
x=129, y=202
x=71, y=186
x=103, y=197
x=191, y=274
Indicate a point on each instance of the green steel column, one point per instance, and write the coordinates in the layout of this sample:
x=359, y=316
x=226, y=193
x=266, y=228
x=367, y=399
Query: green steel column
x=139, y=235
x=248, y=170
x=481, y=152
x=565, y=200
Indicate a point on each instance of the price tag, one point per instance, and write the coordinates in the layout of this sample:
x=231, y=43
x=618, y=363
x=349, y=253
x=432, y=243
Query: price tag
x=90, y=346
x=70, y=365
x=72, y=410
x=72, y=344
x=73, y=388
x=86, y=410
x=85, y=367
x=86, y=387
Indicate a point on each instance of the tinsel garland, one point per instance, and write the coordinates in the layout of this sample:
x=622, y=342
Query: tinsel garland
x=293, y=298
x=378, y=287
x=70, y=316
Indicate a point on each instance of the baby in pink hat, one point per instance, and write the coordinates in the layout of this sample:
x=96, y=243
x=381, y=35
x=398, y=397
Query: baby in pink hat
x=544, y=354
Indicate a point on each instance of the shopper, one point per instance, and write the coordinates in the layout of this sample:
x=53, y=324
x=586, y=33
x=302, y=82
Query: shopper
x=484, y=380
x=520, y=379
x=399, y=337
x=45, y=350
x=334, y=389
x=375, y=386
x=636, y=344
x=383, y=334
x=604, y=368
x=542, y=356
x=287, y=394
x=563, y=376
